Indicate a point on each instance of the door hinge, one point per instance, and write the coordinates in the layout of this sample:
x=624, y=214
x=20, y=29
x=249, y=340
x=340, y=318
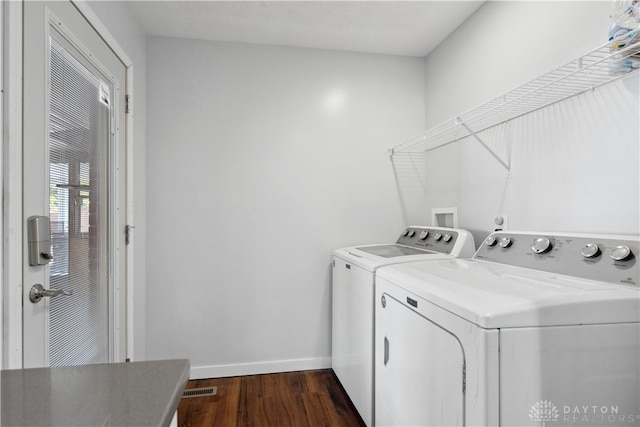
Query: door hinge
x=127, y=103
x=127, y=233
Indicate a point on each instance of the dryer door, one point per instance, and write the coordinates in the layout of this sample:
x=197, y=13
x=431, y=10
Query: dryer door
x=419, y=367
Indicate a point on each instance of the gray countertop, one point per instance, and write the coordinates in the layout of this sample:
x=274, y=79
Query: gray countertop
x=118, y=394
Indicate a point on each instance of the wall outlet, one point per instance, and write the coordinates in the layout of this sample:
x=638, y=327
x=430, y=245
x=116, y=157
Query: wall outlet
x=500, y=223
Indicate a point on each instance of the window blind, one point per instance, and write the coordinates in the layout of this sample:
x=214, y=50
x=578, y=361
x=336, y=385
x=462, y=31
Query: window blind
x=79, y=137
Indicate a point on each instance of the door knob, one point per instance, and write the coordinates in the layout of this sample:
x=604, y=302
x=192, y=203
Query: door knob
x=37, y=292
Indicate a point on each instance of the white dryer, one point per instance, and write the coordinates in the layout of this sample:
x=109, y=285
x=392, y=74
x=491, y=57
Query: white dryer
x=353, y=300
x=535, y=329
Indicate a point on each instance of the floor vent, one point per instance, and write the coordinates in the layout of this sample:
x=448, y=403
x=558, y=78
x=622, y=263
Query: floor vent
x=200, y=392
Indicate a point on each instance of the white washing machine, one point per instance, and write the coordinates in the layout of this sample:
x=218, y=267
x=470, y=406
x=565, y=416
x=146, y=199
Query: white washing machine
x=534, y=330
x=353, y=300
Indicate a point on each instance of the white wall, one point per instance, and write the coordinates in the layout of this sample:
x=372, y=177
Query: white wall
x=574, y=165
x=262, y=160
x=117, y=17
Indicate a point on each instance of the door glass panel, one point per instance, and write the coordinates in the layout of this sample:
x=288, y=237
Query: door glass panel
x=79, y=139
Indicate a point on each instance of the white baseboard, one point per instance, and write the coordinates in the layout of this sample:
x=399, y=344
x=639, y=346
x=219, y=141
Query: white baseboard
x=219, y=371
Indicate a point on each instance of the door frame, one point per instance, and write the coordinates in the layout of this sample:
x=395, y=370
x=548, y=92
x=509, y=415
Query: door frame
x=11, y=251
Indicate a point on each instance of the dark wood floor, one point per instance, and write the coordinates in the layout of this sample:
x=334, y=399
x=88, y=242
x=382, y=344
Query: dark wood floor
x=296, y=399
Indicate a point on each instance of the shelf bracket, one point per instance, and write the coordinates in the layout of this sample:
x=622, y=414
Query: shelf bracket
x=477, y=138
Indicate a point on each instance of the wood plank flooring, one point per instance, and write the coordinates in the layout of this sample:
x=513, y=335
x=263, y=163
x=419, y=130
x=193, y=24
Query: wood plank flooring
x=295, y=399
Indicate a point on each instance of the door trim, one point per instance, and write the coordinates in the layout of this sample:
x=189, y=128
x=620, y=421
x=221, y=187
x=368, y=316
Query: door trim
x=101, y=29
x=11, y=321
x=1, y=169
x=12, y=187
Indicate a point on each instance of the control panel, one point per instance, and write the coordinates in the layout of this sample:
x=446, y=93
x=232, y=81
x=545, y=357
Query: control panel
x=603, y=258
x=430, y=238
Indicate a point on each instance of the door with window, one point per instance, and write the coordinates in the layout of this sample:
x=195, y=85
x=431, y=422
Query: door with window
x=73, y=287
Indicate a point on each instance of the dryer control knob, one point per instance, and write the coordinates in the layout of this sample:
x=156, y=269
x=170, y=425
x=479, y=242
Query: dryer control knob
x=541, y=245
x=406, y=233
x=590, y=250
x=412, y=233
x=424, y=234
x=447, y=238
x=438, y=236
x=491, y=241
x=621, y=253
x=505, y=242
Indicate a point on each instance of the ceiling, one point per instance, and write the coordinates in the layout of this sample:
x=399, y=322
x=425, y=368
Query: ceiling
x=410, y=28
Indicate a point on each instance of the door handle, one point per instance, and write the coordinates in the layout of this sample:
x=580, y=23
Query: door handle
x=37, y=292
x=386, y=351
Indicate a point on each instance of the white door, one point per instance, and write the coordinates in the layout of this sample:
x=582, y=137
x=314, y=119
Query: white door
x=419, y=367
x=74, y=180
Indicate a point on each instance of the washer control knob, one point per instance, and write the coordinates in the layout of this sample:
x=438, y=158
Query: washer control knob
x=505, y=242
x=491, y=241
x=591, y=250
x=412, y=233
x=424, y=234
x=621, y=253
x=438, y=236
x=447, y=238
x=541, y=245
x=406, y=233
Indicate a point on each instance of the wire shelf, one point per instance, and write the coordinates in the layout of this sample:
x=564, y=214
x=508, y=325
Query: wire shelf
x=598, y=67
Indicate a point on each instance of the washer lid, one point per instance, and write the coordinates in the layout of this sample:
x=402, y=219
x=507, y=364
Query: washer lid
x=392, y=251
x=502, y=296
x=372, y=259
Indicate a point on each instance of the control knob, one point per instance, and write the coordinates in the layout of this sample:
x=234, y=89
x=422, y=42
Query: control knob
x=591, y=250
x=621, y=253
x=424, y=234
x=505, y=242
x=438, y=236
x=491, y=241
x=447, y=238
x=541, y=245
x=412, y=233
